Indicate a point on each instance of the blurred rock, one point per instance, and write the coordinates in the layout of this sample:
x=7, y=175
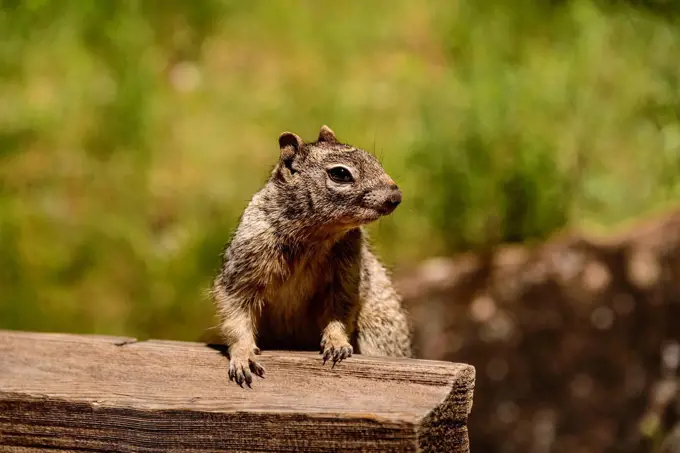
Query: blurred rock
x=570, y=339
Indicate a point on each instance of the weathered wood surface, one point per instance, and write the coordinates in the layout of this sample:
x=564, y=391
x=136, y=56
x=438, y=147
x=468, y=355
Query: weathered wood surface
x=107, y=394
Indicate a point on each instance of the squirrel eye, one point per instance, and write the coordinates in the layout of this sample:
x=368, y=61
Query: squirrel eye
x=340, y=174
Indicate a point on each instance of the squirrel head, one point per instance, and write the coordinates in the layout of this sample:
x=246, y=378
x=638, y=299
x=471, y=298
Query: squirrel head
x=330, y=185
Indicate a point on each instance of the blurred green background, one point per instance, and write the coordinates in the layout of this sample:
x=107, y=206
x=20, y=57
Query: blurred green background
x=133, y=133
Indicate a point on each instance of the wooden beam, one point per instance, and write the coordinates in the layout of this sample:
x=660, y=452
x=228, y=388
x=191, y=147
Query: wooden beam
x=108, y=394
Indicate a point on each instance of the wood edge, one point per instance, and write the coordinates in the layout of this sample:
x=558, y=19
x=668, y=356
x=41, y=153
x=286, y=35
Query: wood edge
x=451, y=414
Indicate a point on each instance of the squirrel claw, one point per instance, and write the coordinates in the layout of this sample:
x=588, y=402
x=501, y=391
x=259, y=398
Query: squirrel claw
x=241, y=373
x=327, y=354
x=257, y=369
x=337, y=354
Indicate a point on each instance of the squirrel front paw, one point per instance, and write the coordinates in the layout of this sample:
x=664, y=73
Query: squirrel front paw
x=338, y=350
x=242, y=364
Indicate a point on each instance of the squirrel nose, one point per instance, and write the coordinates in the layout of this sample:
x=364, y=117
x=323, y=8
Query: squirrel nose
x=393, y=199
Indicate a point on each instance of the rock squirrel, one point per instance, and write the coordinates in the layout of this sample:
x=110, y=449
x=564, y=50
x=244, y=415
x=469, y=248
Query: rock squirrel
x=298, y=272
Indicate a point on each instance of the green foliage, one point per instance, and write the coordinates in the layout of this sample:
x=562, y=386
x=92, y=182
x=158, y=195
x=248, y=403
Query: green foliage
x=132, y=134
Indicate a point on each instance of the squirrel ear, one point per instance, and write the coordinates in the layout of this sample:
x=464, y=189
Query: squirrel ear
x=327, y=135
x=289, y=144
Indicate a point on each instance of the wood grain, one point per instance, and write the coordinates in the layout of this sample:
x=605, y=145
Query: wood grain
x=104, y=394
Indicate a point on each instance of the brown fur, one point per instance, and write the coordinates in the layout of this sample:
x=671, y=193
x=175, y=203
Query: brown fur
x=298, y=273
